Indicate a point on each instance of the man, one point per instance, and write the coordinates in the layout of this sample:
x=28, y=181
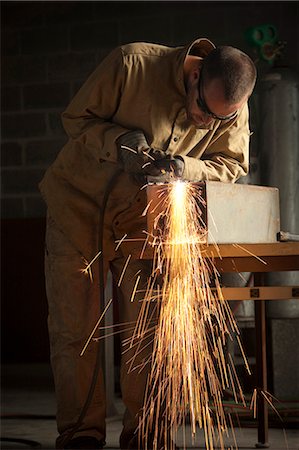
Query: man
x=147, y=110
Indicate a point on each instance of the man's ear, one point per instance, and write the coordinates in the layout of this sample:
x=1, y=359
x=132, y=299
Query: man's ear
x=195, y=74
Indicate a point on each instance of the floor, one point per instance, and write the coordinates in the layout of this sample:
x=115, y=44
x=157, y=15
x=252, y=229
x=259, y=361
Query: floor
x=28, y=416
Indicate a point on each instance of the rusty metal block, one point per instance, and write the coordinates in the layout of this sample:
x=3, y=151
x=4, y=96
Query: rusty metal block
x=232, y=213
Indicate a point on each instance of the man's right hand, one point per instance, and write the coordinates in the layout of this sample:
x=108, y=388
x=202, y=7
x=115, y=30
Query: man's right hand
x=136, y=155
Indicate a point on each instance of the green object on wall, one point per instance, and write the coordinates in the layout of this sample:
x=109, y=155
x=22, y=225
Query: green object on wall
x=265, y=39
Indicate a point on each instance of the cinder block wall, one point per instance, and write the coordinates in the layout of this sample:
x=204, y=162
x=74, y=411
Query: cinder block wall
x=49, y=48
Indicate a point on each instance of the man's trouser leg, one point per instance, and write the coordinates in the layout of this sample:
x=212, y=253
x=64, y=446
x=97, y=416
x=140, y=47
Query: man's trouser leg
x=124, y=217
x=135, y=361
x=74, y=308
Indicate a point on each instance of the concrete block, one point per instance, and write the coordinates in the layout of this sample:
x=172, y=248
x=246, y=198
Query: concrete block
x=21, y=180
x=46, y=40
x=10, y=42
x=71, y=66
x=46, y=95
x=11, y=154
x=21, y=14
x=143, y=30
x=42, y=153
x=94, y=35
x=127, y=10
x=11, y=98
x=23, y=125
x=66, y=12
x=23, y=69
x=12, y=208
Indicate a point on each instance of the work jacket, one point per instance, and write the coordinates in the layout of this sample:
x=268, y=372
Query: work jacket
x=137, y=86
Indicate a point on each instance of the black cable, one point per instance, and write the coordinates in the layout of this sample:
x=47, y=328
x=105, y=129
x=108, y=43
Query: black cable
x=28, y=416
x=69, y=435
x=30, y=443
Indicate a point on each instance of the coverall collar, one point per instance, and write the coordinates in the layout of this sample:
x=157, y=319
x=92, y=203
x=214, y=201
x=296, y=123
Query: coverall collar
x=200, y=47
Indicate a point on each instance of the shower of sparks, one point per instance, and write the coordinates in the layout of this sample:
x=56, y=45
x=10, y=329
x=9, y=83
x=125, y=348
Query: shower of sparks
x=185, y=324
x=189, y=372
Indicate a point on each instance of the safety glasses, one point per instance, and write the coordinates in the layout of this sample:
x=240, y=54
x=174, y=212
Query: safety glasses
x=203, y=106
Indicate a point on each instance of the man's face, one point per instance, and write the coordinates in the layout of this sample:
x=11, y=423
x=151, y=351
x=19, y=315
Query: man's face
x=205, y=102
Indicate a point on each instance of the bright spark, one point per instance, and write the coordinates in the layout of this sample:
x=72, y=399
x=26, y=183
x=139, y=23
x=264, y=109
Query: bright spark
x=123, y=271
x=120, y=241
x=135, y=288
x=87, y=270
x=95, y=327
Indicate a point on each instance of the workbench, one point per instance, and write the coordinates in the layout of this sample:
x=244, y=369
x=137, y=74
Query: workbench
x=257, y=259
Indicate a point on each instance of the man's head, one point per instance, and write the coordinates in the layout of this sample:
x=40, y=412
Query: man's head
x=220, y=87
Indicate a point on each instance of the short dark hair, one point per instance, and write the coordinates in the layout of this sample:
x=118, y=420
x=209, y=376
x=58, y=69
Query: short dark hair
x=235, y=69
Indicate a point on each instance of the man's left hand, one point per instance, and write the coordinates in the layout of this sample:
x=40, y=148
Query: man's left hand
x=173, y=165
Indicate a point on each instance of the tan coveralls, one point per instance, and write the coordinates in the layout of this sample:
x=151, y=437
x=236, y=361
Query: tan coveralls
x=137, y=86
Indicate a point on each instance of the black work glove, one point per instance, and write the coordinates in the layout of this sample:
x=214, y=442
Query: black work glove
x=170, y=169
x=136, y=155
x=175, y=165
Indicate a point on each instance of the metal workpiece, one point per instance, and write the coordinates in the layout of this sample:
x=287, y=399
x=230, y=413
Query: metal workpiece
x=245, y=214
x=232, y=213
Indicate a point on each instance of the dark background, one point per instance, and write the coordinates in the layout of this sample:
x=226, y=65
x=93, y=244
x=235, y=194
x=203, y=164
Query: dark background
x=48, y=50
